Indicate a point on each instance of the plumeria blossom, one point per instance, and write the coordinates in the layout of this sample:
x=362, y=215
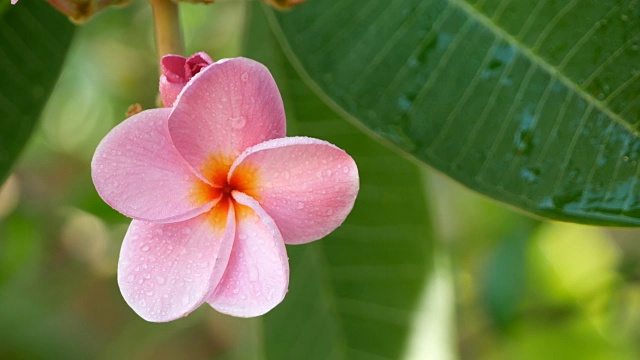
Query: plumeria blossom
x=215, y=191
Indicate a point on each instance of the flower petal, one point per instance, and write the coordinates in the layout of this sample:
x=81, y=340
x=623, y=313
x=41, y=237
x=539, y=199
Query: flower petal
x=195, y=63
x=257, y=275
x=227, y=107
x=308, y=186
x=173, y=68
x=138, y=172
x=167, y=270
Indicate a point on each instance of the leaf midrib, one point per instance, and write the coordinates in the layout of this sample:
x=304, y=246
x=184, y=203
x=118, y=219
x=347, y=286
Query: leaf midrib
x=541, y=62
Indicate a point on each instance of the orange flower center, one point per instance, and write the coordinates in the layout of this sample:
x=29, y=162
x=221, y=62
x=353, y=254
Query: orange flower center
x=216, y=171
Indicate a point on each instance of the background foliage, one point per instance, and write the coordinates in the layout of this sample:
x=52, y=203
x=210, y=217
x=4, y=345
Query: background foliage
x=423, y=268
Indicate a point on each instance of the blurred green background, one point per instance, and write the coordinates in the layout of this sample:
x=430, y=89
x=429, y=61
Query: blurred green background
x=505, y=286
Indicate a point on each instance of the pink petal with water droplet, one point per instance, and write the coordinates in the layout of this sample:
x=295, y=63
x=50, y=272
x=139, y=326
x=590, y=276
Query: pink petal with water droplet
x=167, y=270
x=308, y=186
x=137, y=171
x=229, y=106
x=257, y=275
x=169, y=91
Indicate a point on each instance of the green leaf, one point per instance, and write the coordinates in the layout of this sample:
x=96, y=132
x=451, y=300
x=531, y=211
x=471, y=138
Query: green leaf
x=355, y=293
x=534, y=103
x=34, y=39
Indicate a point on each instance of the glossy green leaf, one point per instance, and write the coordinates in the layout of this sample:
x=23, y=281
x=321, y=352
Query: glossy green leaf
x=535, y=103
x=34, y=39
x=355, y=293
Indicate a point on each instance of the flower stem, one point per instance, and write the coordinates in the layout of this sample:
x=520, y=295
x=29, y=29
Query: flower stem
x=167, y=24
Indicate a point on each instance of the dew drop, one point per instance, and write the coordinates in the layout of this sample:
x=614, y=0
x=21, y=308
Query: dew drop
x=186, y=231
x=244, y=76
x=145, y=248
x=160, y=280
x=130, y=278
x=238, y=122
x=300, y=205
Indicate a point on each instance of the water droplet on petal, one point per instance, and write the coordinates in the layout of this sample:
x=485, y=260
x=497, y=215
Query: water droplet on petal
x=238, y=122
x=145, y=248
x=244, y=76
x=300, y=205
x=186, y=231
x=160, y=280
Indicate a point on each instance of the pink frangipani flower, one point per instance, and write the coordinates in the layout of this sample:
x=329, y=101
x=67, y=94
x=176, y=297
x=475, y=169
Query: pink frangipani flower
x=215, y=191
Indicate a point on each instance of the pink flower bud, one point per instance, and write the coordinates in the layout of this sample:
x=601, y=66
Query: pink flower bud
x=176, y=73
